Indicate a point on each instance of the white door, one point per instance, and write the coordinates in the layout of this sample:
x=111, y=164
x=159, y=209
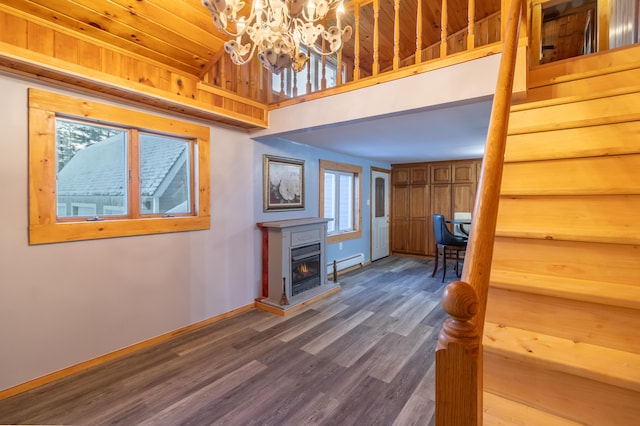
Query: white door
x=379, y=214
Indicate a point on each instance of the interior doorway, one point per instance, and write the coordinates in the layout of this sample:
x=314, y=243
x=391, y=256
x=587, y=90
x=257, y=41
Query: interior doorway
x=380, y=179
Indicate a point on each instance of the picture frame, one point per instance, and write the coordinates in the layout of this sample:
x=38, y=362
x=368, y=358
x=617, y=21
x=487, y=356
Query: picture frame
x=283, y=183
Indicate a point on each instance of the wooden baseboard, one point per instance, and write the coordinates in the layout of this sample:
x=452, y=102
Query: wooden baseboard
x=6, y=393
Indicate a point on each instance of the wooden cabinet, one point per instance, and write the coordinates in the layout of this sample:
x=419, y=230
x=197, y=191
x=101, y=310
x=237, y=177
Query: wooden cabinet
x=421, y=190
x=410, y=209
x=410, y=174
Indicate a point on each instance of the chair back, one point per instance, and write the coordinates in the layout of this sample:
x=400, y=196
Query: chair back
x=443, y=235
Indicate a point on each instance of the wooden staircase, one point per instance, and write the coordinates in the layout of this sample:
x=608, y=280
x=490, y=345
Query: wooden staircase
x=562, y=331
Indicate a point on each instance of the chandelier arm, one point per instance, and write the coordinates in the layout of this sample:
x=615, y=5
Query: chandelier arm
x=248, y=57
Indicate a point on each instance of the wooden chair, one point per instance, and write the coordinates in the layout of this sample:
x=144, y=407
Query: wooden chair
x=446, y=245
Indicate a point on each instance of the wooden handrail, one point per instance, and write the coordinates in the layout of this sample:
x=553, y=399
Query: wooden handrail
x=459, y=384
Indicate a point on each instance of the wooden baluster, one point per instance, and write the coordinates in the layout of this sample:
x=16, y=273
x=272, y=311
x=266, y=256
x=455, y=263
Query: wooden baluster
x=356, y=43
x=457, y=354
x=294, y=92
x=471, y=37
x=254, y=74
x=339, y=68
x=223, y=71
x=418, y=55
x=323, y=83
x=603, y=14
x=396, y=34
x=443, y=30
x=309, y=73
x=238, y=82
x=281, y=85
x=536, y=33
x=376, y=37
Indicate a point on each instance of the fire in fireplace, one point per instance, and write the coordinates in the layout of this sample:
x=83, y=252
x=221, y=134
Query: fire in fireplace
x=305, y=268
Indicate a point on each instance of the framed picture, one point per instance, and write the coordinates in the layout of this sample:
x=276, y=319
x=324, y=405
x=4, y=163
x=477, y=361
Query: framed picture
x=283, y=183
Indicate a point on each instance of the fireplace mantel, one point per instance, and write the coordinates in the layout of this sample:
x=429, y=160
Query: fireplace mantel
x=293, y=222
x=284, y=243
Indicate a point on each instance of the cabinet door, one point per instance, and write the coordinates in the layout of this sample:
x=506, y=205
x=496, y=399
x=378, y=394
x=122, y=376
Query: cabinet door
x=418, y=199
x=418, y=236
x=463, y=197
x=400, y=175
x=400, y=235
x=400, y=218
x=440, y=173
x=420, y=175
x=440, y=204
x=419, y=213
x=400, y=202
x=464, y=172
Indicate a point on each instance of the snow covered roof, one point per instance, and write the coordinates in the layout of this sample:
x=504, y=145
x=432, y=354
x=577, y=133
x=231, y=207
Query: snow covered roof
x=100, y=169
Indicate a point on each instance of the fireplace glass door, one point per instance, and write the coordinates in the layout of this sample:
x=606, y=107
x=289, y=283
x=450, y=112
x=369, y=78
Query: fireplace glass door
x=305, y=268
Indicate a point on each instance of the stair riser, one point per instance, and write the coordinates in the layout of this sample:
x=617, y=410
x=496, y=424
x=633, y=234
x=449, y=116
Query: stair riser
x=615, y=263
x=610, y=109
x=604, y=219
x=609, y=326
x=582, y=400
x=581, y=86
x=611, y=139
x=555, y=71
x=608, y=175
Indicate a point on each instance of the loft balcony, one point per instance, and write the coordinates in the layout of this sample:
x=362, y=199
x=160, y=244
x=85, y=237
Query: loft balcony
x=169, y=55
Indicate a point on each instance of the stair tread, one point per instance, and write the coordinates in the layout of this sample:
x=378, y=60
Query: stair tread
x=615, y=294
x=502, y=411
x=611, y=366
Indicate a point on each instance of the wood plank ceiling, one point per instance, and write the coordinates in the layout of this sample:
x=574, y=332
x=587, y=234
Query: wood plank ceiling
x=180, y=33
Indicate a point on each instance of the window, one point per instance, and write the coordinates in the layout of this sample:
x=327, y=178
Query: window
x=100, y=171
x=340, y=188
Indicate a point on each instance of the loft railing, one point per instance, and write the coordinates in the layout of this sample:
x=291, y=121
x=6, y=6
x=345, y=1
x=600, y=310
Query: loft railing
x=398, y=38
x=459, y=351
x=391, y=39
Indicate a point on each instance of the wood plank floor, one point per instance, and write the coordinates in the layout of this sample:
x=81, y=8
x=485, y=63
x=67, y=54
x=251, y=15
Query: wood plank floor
x=362, y=356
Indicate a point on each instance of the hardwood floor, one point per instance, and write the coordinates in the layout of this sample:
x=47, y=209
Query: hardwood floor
x=362, y=356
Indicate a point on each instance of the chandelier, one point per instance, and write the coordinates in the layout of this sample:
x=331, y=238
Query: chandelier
x=277, y=29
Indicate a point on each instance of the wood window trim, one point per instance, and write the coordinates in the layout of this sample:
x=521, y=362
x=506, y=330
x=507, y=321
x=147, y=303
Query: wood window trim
x=357, y=205
x=43, y=225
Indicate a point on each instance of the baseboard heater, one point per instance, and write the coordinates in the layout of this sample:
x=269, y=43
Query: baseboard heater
x=347, y=262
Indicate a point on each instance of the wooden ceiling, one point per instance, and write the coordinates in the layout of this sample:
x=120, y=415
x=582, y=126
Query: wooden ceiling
x=180, y=33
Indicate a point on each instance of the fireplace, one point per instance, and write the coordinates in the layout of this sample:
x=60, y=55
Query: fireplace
x=294, y=262
x=305, y=268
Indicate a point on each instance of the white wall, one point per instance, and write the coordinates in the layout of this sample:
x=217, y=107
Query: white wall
x=61, y=304
x=444, y=86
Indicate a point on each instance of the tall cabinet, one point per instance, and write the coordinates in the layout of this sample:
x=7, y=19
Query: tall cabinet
x=421, y=190
x=410, y=209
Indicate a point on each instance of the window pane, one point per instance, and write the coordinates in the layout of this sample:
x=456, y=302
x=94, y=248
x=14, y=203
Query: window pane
x=345, y=222
x=165, y=184
x=91, y=169
x=379, y=188
x=330, y=200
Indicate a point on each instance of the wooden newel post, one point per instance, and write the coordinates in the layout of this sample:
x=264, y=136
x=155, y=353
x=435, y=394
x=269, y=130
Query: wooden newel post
x=459, y=360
